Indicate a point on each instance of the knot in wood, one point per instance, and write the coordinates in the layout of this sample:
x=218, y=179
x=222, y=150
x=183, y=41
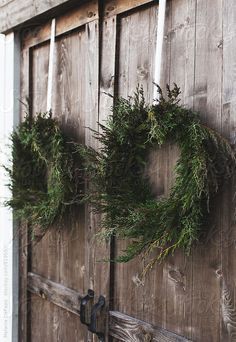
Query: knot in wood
x=90, y=14
x=147, y=337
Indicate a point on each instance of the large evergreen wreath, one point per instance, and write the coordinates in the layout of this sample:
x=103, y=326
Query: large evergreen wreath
x=119, y=189
x=46, y=174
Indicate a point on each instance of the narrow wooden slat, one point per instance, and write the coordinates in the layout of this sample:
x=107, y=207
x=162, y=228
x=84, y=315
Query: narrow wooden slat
x=114, y=7
x=23, y=229
x=177, y=269
x=23, y=269
x=227, y=272
x=206, y=299
x=126, y=328
x=103, y=271
x=69, y=21
x=136, y=37
x=44, y=254
x=58, y=294
x=14, y=13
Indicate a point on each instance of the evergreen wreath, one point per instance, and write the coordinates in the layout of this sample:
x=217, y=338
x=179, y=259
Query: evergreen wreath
x=119, y=189
x=45, y=179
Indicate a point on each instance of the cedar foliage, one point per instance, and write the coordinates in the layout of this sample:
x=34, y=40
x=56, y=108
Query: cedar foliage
x=45, y=179
x=119, y=189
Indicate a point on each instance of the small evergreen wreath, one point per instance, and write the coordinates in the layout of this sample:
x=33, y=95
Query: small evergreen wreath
x=120, y=191
x=46, y=179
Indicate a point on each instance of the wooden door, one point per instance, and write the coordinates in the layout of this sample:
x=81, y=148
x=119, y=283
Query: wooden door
x=109, y=47
x=63, y=253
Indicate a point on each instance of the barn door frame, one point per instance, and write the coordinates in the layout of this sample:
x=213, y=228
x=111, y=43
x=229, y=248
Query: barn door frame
x=9, y=249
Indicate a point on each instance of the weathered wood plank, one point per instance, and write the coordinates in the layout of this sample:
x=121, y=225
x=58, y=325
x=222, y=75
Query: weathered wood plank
x=227, y=272
x=15, y=13
x=137, y=32
x=58, y=294
x=177, y=268
x=206, y=258
x=158, y=169
x=23, y=269
x=23, y=229
x=103, y=279
x=107, y=72
x=126, y=328
x=70, y=110
x=115, y=7
x=45, y=256
x=60, y=254
x=81, y=15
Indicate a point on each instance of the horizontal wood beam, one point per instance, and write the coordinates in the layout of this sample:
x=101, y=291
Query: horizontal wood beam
x=16, y=13
x=56, y=293
x=126, y=328
x=121, y=326
x=70, y=20
x=115, y=7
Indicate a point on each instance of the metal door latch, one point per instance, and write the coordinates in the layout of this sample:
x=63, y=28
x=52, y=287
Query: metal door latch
x=89, y=314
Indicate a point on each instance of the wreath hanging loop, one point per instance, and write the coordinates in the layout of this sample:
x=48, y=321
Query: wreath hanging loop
x=46, y=179
x=120, y=191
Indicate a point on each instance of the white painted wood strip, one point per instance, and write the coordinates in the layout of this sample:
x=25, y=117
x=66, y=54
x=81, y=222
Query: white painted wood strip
x=50, y=66
x=8, y=111
x=159, y=44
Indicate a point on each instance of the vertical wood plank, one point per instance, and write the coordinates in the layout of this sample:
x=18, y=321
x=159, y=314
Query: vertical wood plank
x=23, y=229
x=71, y=76
x=103, y=271
x=155, y=286
x=137, y=32
x=45, y=252
x=227, y=273
x=207, y=99
x=177, y=268
x=91, y=103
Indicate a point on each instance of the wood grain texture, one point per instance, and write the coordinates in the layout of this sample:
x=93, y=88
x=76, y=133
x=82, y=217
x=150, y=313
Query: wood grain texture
x=16, y=13
x=23, y=228
x=126, y=328
x=115, y=7
x=228, y=312
x=177, y=268
x=70, y=110
x=228, y=223
x=206, y=259
x=56, y=293
x=91, y=104
x=121, y=326
x=44, y=253
x=137, y=32
x=40, y=32
x=23, y=296
x=102, y=249
x=160, y=165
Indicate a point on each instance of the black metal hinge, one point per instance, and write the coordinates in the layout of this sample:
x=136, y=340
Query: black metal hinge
x=89, y=314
